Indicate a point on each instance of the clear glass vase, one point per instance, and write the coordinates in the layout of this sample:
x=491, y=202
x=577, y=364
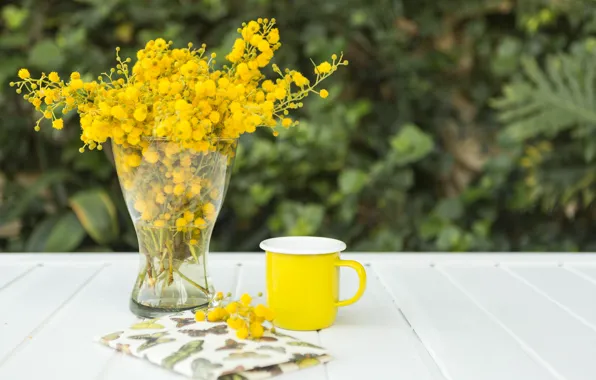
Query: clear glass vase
x=173, y=195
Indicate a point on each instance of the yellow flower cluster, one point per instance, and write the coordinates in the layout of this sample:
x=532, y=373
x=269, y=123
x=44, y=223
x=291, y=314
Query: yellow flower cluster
x=533, y=157
x=178, y=94
x=174, y=118
x=174, y=186
x=240, y=315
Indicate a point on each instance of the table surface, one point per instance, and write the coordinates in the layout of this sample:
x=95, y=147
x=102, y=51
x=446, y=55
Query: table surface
x=423, y=316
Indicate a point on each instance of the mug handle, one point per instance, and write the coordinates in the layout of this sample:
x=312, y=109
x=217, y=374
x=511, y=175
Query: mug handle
x=361, y=277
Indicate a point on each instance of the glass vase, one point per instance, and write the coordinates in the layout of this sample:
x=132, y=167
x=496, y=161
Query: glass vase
x=173, y=195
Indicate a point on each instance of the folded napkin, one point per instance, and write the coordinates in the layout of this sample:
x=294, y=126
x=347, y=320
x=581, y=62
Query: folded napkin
x=209, y=351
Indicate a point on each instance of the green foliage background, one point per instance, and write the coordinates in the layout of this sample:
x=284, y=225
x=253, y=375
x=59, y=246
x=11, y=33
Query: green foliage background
x=458, y=125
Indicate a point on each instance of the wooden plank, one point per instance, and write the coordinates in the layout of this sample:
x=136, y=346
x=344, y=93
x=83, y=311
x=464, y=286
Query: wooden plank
x=13, y=272
x=100, y=307
x=29, y=303
x=555, y=338
x=464, y=342
x=562, y=287
x=588, y=272
x=252, y=281
x=123, y=367
x=372, y=340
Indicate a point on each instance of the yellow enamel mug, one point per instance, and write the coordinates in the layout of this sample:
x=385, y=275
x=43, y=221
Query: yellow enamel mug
x=303, y=280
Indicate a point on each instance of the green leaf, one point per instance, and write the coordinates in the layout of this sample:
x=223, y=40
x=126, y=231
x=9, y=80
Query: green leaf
x=410, y=144
x=46, y=55
x=38, y=238
x=482, y=228
x=449, y=208
x=430, y=227
x=97, y=213
x=359, y=17
x=66, y=235
x=297, y=219
x=19, y=207
x=71, y=37
x=448, y=238
x=388, y=240
x=261, y=194
x=15, y=40
x=549, y=100
x=351, y=181
x=506, y=59
x=56, y=234
x=14, y=16
x=590, y=150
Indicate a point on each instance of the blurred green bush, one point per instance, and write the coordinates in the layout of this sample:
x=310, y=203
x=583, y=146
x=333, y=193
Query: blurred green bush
x=459, y=125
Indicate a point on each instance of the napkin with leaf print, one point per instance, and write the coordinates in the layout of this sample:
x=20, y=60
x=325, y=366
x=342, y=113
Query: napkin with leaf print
x=209, y=351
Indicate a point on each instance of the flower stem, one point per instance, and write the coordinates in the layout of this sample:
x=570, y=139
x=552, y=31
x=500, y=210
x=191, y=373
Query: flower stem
x=205, y=269
x=191, y=281
x=149, y=270
x=170, y=261
x=204, y=250
x=171, y=276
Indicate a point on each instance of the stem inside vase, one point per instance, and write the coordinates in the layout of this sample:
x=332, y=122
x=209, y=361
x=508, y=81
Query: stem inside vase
x=173, y=275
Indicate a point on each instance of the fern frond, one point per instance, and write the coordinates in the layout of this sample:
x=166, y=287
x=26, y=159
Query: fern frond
x=571, y=73
x=550, y=100
x=590, y=71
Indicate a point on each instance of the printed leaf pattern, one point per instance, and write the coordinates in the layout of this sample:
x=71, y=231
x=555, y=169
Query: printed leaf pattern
x=304, y=344
x=209, y=351
x=107, y=338
x=281, y=335
x=203, y=369
x=305, y=361
x=246, y=355
x=181, y=322
x=123, y=348
x=147, y=325
x=152, y=340
x=233, y=376
x=272, y=348
x=266, y=339
x=272, y=370
x=218, y=330
x=231, y=344
x=237, y=369
x=183, y=353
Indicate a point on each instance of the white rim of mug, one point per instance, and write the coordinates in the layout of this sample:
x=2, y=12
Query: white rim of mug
x=302, y=245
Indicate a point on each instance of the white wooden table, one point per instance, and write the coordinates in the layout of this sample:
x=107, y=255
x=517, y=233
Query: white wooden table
x=443, y=317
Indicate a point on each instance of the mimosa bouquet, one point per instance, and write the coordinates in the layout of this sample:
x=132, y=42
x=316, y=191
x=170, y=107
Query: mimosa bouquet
x=174, y=120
